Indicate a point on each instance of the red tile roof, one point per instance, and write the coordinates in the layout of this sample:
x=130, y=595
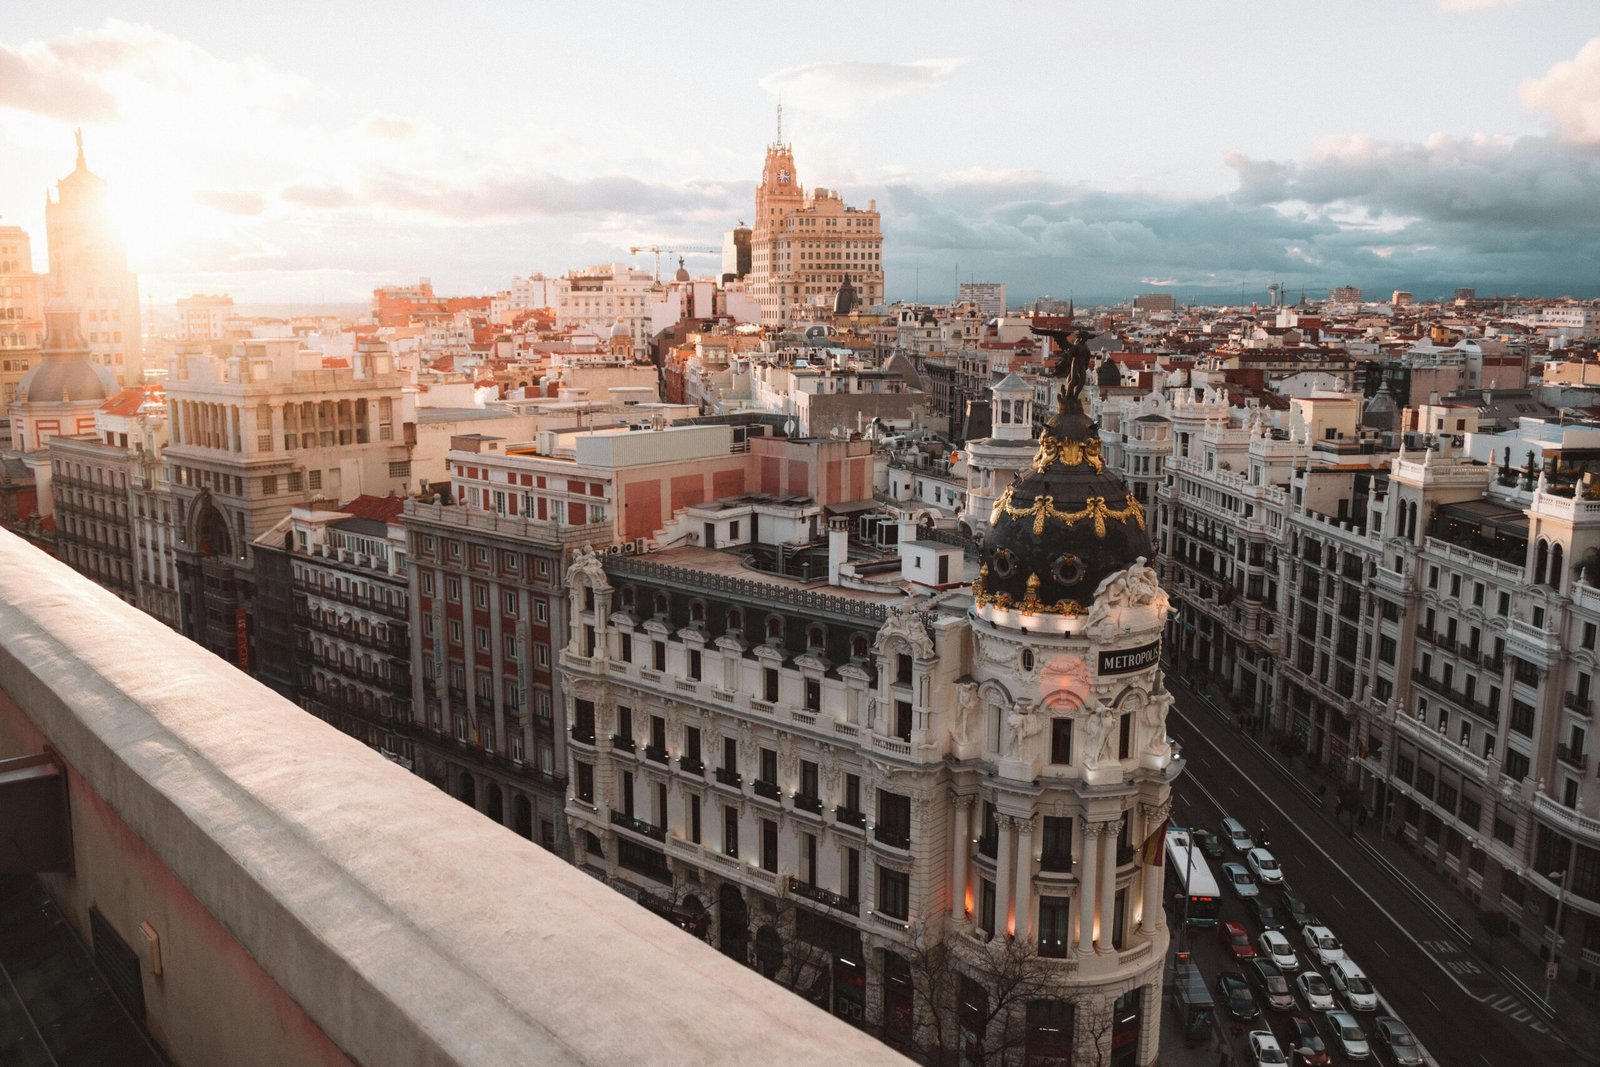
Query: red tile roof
x=128, y=401
x=381, y=508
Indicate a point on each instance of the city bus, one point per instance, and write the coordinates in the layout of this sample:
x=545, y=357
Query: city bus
x=1190, y=876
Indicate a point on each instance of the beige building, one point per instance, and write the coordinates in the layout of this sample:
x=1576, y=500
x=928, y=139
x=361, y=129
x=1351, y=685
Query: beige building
x=803, y=248
x=21, y=321
x=89, y=266
x=254, y=435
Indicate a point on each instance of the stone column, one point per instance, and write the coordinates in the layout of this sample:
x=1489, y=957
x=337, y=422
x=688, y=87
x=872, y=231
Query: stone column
x=1086, y=887
x=1107, y=897
x=1024, y=889
x=1153, y=917
x=1002, y=876
x=959, y=866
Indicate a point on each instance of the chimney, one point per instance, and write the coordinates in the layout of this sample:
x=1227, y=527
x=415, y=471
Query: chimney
x=838, y=546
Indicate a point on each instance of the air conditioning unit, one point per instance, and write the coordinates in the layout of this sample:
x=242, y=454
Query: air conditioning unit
x=613, y=550
x=638, y=546
x=630, y=547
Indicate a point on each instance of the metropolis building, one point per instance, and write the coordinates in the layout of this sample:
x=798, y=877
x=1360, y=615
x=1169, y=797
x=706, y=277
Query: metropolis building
x=891, y=793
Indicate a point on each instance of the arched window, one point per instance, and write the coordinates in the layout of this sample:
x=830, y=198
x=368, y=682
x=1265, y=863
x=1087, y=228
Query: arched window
x=661, y=603
x=1541, y=560
x=814, y=637
x=774, y=628
x=859, y=646
x=735, y=619
x=1555, y=566
x=697, y=611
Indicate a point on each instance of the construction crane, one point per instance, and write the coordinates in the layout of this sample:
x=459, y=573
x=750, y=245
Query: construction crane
x=658, y=249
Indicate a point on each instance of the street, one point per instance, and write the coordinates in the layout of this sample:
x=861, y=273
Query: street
x=1420, y=966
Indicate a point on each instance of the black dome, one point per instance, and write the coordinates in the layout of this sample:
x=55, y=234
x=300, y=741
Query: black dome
x=1063, y=526
x=1108, y=376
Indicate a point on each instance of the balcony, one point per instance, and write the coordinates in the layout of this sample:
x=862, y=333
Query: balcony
x=323, y=880
x=729, y=777
x=818, y=895
x=766, y=789
x=805, y=803
x=1572, y=757
x=892, y=836
x=639, y=826
x=1578, y=702
x=850, y=817
x=582, y=735
x=655, y=754
x=623, y=744
x=694, y=767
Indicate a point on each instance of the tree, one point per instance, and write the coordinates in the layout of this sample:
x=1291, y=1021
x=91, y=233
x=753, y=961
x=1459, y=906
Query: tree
x=972, y=997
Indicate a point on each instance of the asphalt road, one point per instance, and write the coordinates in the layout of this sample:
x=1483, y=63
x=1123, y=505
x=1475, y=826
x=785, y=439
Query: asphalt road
x=1461, y=1014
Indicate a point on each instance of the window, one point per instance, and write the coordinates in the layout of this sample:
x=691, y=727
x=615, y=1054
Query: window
x=894, y=819
x=694, y=819
x=627, y=647
x=808, y=779
x=1056, y=851
x=314, y=482
x=769, y=845
x=769, y=766
x=691, y=743
x=730, y=754
x=508, y=603
x=986, y=907
x=902, y=719
x=894, y=893
x=1516, y=764
x=852, y=792
x=694, y=664
x=813, y=695
x=658, y=655
x=850, y=887
x=770, y=684
x=452, y=590
x=730, y=830
x=1061, y=741
x=1054, y=936
x=902, y=669
x=585, y=781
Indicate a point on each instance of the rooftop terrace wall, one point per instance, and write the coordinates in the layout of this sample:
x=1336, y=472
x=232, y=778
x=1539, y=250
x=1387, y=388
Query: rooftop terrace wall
x=315, y=903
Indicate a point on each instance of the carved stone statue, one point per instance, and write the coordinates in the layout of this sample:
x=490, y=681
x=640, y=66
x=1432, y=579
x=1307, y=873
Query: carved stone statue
x=966, y=713
x=1097, y=735
x=1023, y=724
x=1131, y=587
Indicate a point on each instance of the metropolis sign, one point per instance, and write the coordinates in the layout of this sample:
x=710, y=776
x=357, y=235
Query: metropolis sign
x=1126, y=660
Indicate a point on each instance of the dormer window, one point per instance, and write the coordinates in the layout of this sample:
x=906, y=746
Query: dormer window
x=814, y=637
x=774, y=628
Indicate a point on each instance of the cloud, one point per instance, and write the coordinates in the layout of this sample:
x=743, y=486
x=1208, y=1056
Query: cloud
x=500, y=195
x=231, y=202
x=91, y=74
x=840, y=90
x=1570, y=94
x=391, y=127
x=1475, y=5
x=319, y=196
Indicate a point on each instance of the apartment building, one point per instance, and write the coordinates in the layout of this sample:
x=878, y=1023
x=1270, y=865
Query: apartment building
x=820, y=779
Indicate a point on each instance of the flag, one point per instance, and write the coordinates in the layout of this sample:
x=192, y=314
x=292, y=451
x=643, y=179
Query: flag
x=1154, y=851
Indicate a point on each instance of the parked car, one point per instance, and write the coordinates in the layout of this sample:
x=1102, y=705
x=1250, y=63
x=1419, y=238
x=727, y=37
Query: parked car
x=1267, y=913
x=1209, y=843
x=1239, y=880
x=1348, y=1035
x=1353, y=985
x=1275, y=947
x=1237, y=836
x=1321, y=943
x=1397, y=1038
x=1236, y=996
x=1295, y=906
x=1307, y=1045
x=1265, y=1050
x=1271, y=983
x=1236, y=940
x=1315, y=991
x=1264, y=865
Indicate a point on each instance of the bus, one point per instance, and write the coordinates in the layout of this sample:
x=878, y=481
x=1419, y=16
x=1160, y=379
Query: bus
x=1190, y=876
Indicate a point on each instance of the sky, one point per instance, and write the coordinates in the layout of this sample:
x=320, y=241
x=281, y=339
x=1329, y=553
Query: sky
x=306, y=152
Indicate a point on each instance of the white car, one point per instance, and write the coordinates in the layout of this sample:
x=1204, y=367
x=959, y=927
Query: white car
x=1264, y=865
x=1352, y=1040
x=1275, y=947
x=1315, y=991
x=1321, y=943
x=1265, y=1050
x=1354, y=985
x=1237, y=836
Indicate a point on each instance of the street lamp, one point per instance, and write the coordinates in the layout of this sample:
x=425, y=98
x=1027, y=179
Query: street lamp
x=1560, y=879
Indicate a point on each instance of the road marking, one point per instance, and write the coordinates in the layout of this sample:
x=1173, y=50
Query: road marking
x=1234, y=791
x=1379, y=946
x=1430, y=1000
x=1337, y=901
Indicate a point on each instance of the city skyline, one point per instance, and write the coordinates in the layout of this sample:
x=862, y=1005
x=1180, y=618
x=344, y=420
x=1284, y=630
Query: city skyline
x=272, y=160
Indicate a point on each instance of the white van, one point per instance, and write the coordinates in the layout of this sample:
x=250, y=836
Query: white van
x=1354, y=985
